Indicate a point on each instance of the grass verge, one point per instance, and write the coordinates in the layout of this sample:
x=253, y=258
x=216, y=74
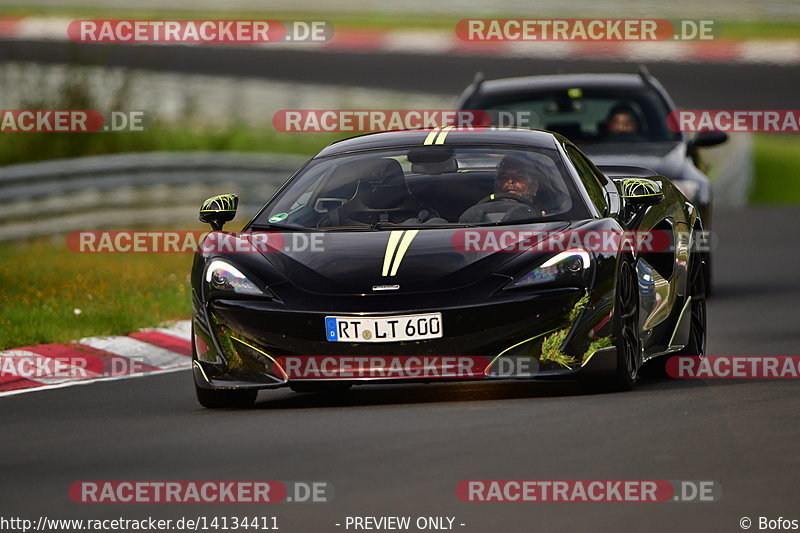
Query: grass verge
x=55, y=295
x=28, y=147
x=777, y=170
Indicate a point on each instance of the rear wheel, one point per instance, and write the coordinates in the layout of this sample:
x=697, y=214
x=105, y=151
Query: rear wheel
x=707, y=275
x=697, y=289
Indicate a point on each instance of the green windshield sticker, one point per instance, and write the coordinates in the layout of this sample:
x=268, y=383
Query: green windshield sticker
x=278, y=217
x=575, y=92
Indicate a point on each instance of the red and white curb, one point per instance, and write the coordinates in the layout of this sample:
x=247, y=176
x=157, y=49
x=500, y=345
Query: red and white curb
x=96, y=359
x=778, y=52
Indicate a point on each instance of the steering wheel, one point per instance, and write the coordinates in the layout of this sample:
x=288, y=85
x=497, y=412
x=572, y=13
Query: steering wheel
x=507, y=196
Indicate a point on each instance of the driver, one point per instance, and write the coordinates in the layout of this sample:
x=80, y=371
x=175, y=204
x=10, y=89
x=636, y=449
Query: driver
x=622, y=120
x=521, y=191
x=518, y=177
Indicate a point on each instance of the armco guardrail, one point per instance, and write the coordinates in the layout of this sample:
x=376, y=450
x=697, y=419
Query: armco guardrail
x=60, y=196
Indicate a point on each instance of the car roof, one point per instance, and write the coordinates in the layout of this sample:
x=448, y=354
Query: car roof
x=452, y=137
x=563, y=81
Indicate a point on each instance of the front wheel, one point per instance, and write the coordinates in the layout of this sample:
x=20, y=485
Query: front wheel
x=626, y=328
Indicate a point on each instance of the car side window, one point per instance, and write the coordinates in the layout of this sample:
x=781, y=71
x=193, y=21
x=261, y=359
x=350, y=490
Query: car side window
x=589, y=179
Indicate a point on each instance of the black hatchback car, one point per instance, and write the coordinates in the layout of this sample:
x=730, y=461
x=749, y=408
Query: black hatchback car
x=615, y=119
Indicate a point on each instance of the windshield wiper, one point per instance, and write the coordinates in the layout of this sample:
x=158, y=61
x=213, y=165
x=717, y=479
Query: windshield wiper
x=390, y=225
x=517, y=222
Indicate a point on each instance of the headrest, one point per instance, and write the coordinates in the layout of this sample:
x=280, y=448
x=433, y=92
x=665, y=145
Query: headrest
x=382, y=184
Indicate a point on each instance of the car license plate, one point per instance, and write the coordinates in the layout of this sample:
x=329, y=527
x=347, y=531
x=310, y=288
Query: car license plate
x=383, y=328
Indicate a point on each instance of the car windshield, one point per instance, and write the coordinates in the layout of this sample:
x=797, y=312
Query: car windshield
x=427, y=187
x=585, y=115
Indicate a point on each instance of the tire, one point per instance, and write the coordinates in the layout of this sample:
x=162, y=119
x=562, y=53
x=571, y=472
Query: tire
x=707, y=277
x=697, y=289
x=626, y=328
x=219, y=398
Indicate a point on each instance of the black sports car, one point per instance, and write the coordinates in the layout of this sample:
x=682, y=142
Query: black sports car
x=446, y=254
x=616, y=119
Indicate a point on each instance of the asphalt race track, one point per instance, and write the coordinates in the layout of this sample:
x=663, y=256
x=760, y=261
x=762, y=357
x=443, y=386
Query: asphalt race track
x=400, y=450
x=704, y=85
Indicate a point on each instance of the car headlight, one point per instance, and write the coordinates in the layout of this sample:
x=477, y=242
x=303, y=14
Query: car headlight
x=223, y=276
x=688, y=188
x=565, y=266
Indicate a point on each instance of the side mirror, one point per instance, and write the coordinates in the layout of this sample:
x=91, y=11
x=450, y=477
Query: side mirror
x=640, y=191
x=708, y=138
x=218, y=210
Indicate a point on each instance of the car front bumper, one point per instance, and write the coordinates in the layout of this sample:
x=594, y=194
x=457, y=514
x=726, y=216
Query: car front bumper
x=248, y=343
